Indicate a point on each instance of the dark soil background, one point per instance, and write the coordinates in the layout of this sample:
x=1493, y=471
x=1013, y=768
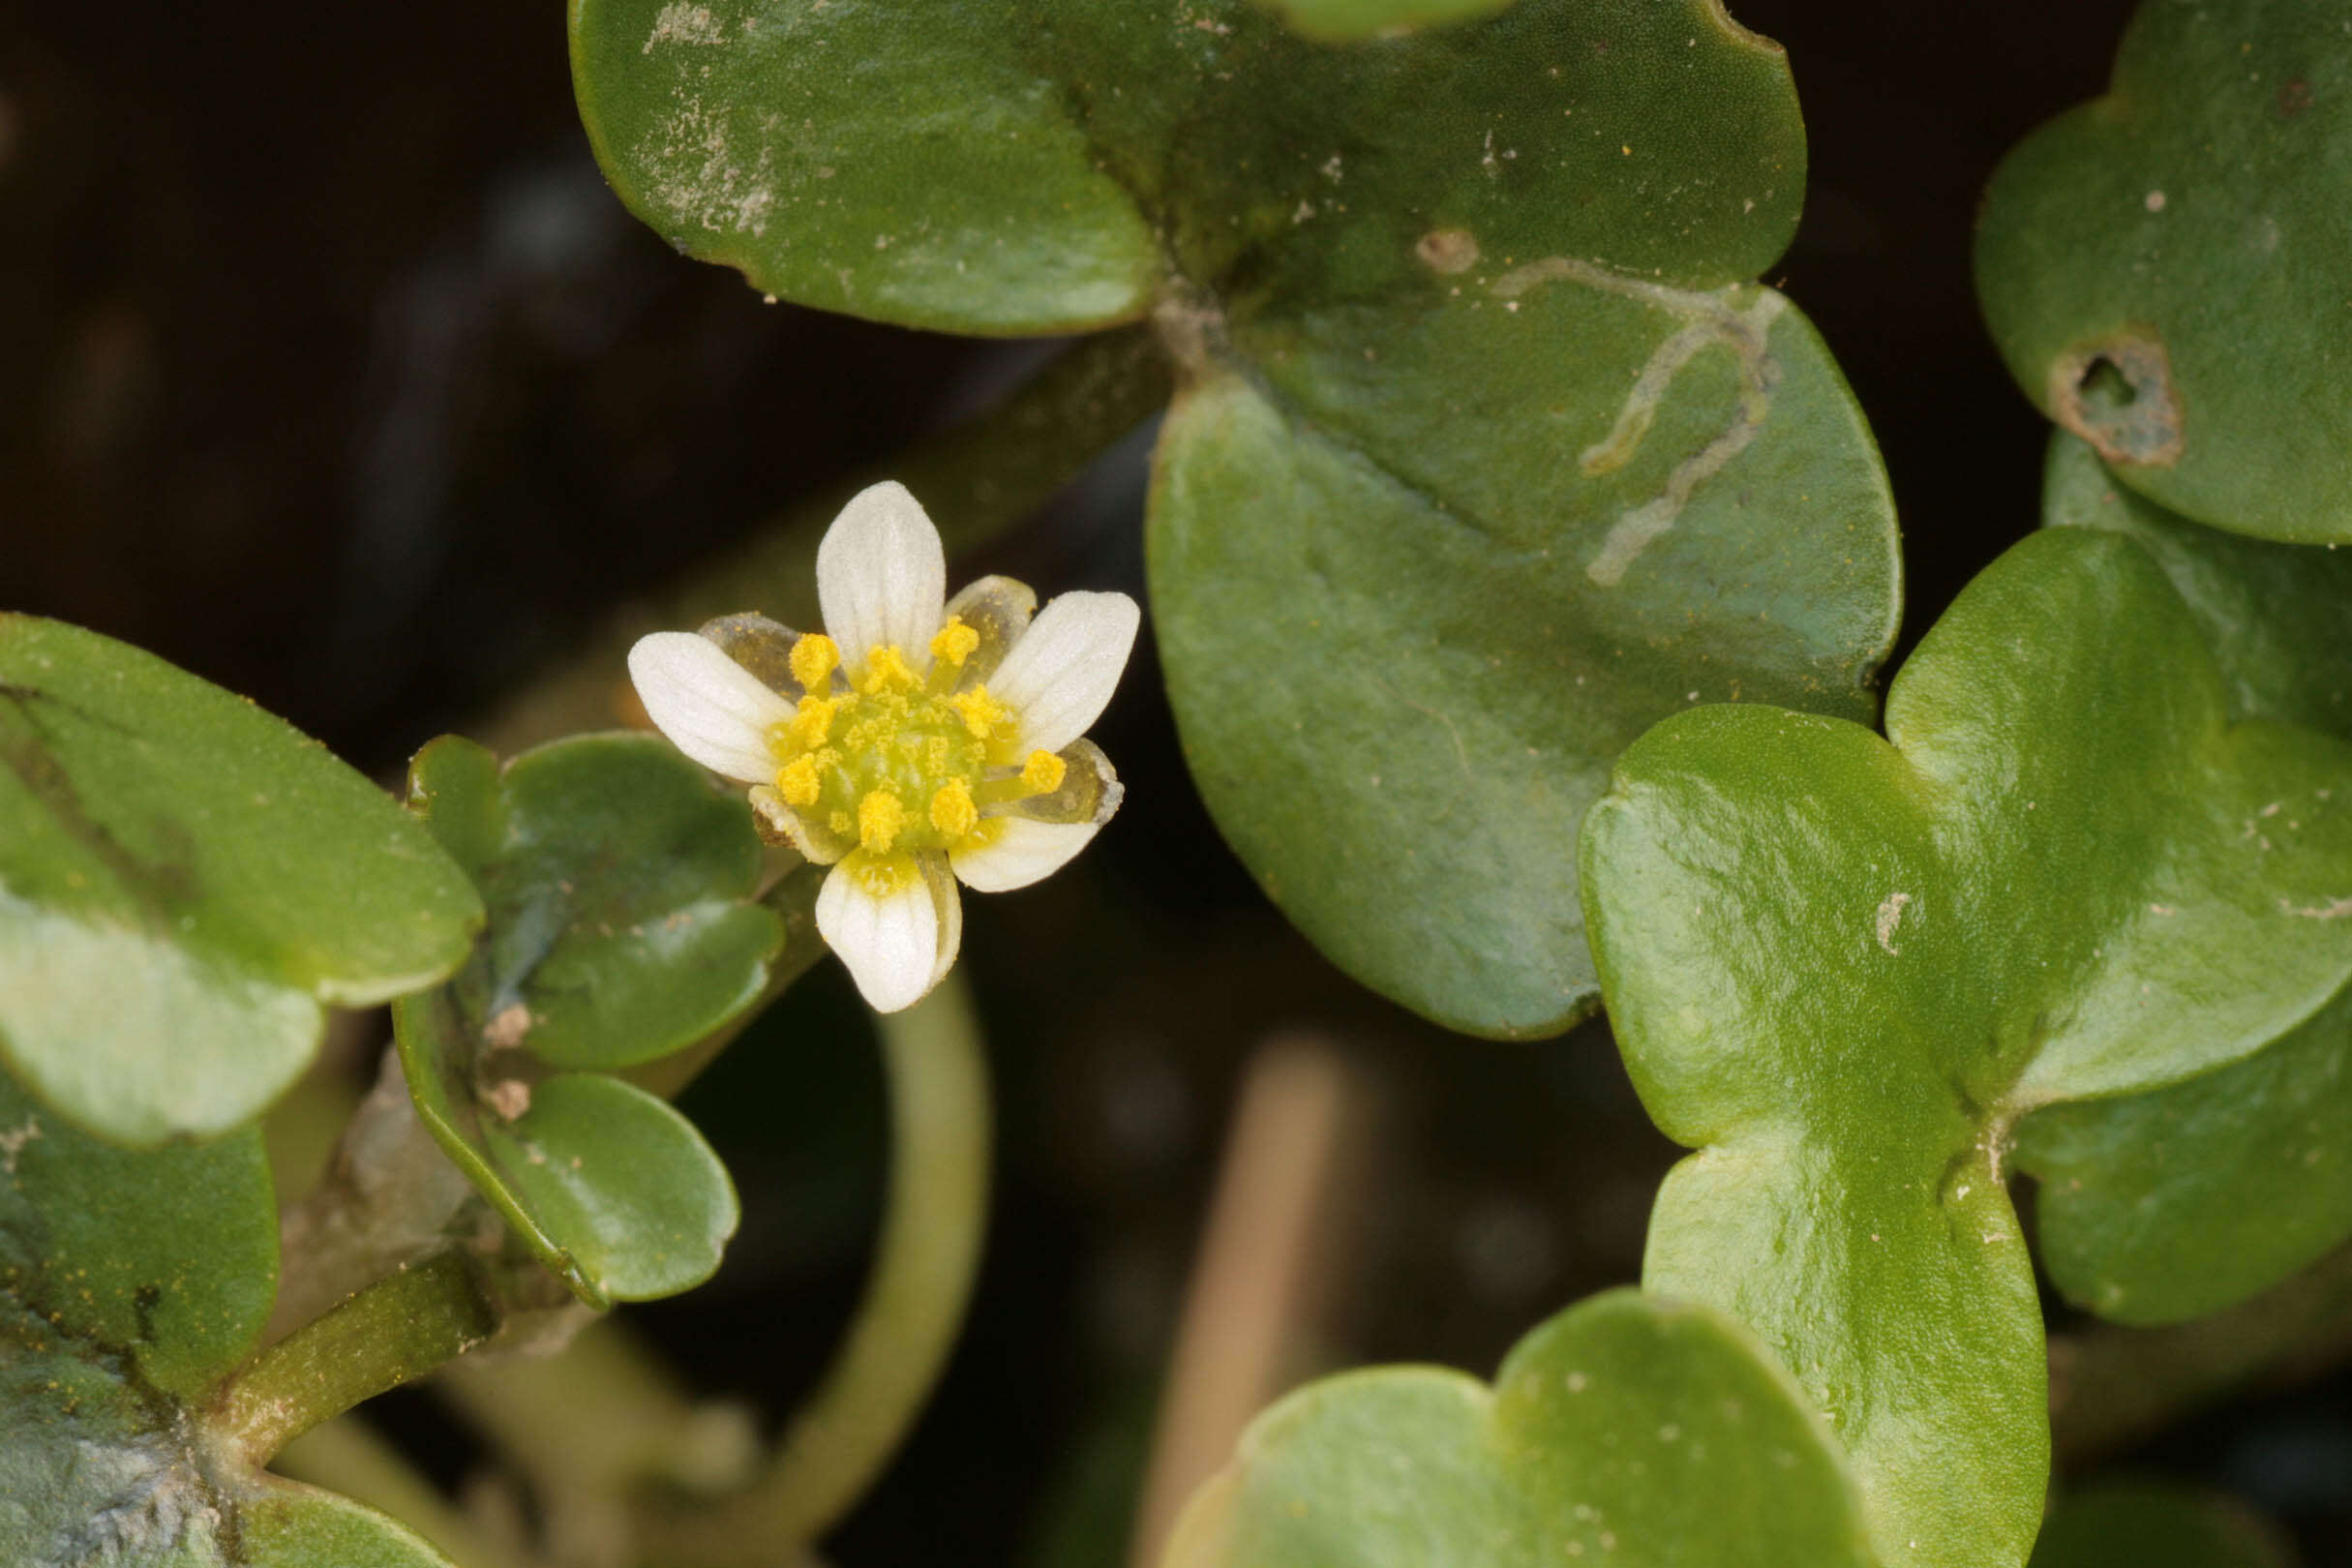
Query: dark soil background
x=330, y=369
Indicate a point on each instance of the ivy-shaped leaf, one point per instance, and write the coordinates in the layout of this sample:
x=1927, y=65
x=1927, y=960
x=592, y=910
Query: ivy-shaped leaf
x=185, y=882
x=2169, y=1205
x=1489, y=458
x=1842, y=967
x=2157, y=1525
x=622, y=928
x=2166, y=268
x=1626, y=1430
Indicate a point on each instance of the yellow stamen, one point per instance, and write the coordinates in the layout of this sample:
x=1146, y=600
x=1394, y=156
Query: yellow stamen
x=952, y=809
x=980, y=713
x=813, y=658
x=955, y=642
x=814, y=721
x=887, y=667
x=1043, y=772
x=840, y=822
x=800, y=782
x=883, y=876
x=880, y=817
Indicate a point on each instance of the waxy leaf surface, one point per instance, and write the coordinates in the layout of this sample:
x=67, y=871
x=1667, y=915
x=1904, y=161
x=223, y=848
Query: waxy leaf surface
x=1473, y=368
x=1626, y=1430
x=2165, y=267
x=2171, y=1205
x=621, y=929
x=166, y=1256
x=1840, y=967
x=1335, y=20
x=185, y=882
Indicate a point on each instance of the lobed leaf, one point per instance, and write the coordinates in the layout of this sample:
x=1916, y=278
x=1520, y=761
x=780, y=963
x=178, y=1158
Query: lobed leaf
x=2164, y=267
x=2159, y=1207
x=184, y=882
x=1628, y=1430
x=1841, y=968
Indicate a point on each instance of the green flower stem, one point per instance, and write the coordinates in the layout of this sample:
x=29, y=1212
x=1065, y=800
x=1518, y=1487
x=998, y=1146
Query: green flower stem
x=914, y=1307
x=977, y=480
x=2111, y=1386
x=349, y=1457
x=399, y=1327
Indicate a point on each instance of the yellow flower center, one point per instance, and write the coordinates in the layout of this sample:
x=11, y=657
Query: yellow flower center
x=901, y=763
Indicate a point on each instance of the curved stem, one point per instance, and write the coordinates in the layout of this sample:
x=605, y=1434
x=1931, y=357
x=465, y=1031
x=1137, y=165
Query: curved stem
x=399, y=1327
x=914, y=1307
x=348, y=1455
x=979, y=479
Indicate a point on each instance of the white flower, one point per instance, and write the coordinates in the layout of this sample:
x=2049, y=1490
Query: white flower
x=925, y=740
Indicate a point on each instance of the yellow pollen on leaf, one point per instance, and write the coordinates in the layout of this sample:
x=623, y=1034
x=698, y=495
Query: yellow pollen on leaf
x=800, y=782
x=952, y=811
x=980, y=713
x=813, y=658
x=1043, y=772
x=955, y=642
x=885, y=670
x=810, y=727
x=880, y=817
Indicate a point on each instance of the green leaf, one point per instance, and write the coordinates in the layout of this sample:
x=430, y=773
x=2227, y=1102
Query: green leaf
x=610, y=1188
x=1399, y=687
x=2159, y=1207
x=1337, y=20
x=2166, y=268
x=1461, y=314
x=621, y=929
x=184, y=881
x=1842, y=967
x=620, y=885
x=96, y=1470
x=2157, y=1525
x=2277, y=617
x=294, y=1526
x=168, y=1254
x=1625, y=1431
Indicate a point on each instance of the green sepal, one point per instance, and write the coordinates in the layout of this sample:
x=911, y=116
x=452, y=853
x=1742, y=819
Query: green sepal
x=184, y=884
x=1628, y=1430
x=1842, y=967
x=2159, y=1207
x=2165, y=267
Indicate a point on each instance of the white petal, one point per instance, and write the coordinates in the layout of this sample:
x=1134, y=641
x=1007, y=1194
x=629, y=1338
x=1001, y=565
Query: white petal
x=1021, y=853
x=881, y=577
x=1060, y=676
x=890, y=944
x=712, y=707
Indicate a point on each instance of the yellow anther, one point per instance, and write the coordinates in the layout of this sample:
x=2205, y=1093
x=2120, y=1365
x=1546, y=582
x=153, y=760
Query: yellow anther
x=980, y=713
x=952, y=812
x=810, y=727
x=887, y=668
x=883, y=876
x=880, y=817
x=800, y=781
x=813, y=658
x=1042, y=772
x=840, y=822
x=955, y=642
